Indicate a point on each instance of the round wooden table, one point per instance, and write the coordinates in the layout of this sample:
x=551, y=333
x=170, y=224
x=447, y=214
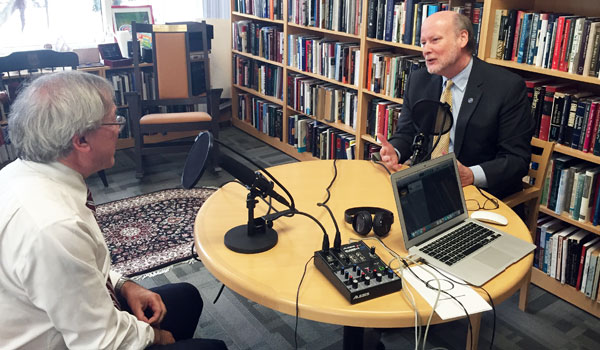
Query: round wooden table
x=271, y=278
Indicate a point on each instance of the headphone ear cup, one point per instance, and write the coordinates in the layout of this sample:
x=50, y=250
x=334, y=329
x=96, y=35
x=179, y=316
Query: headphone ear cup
x=381, y=224
x=362, y=222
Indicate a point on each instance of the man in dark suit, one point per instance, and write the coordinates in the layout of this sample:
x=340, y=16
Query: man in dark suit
x=492, y=127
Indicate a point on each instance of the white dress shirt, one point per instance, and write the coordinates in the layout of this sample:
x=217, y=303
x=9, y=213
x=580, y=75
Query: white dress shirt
x=54, y=265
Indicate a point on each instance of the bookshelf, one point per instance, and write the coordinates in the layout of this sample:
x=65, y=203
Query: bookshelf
x=585, y=8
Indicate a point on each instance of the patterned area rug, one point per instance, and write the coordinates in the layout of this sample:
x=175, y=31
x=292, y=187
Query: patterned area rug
x=151, y=231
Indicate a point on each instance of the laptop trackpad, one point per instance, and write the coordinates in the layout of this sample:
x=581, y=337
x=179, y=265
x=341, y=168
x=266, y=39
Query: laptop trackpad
x=493, y=257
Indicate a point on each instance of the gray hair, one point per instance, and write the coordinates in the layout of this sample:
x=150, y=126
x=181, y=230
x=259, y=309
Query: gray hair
x=462, y=22
x=55, y=107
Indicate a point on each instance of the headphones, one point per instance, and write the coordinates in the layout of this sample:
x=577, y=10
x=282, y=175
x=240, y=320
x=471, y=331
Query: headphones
x=362, y=220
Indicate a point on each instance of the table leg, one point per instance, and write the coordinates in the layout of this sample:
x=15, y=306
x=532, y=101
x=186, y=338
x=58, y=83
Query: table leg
x=353, y=338
x=475, y=325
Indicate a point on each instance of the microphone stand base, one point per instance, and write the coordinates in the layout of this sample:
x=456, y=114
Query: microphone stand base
x=239, y=240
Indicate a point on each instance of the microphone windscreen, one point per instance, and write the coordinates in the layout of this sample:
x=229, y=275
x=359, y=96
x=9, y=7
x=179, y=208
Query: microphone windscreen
x=196, y=160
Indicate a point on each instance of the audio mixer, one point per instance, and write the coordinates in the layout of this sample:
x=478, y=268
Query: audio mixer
x=357, y=272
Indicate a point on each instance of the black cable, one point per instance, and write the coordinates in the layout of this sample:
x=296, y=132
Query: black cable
x=194, y=255
x=486, y=292
x=297, y=300
x=337, y=241
x=219, y=294
x=325, y=245
x=383, y=165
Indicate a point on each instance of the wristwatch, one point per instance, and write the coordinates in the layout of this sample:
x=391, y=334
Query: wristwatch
x=120, y=283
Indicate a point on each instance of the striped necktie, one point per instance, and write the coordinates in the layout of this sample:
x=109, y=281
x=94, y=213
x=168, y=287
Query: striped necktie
x=442, y=147
x=109, y=286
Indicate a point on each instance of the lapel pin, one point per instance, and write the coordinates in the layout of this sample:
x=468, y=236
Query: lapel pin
x=470, y=100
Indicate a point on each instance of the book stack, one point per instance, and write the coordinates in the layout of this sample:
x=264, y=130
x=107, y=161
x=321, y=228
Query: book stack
x=549, y=40
x=337, y=15
x=321, y=100
x=565, y=115
x=266, y=117
x=323, y=141
x=568, y=254
x=260, y=76
x=571, y=188
x=382, y=117
x=400, y=21
x=388, y=72
x=258, y=39
x=271, y=9
x=335, y=60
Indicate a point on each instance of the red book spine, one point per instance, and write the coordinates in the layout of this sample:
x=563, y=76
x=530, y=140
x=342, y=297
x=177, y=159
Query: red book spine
x=564, y=55
x=515, y=50
x=546, y=116
x=590, y=127
x=558, y=41
x=581, y=263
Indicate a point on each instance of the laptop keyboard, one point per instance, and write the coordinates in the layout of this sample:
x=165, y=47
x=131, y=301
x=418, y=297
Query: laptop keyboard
x=455, y=246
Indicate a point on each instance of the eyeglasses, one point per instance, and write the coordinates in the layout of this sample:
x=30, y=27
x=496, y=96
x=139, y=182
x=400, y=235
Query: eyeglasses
x=489, y=204
x=120, y=121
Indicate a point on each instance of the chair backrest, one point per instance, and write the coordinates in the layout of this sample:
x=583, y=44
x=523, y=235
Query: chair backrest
x=38, y=59
x=541, y=152
x=28, y=64
x=173, y=61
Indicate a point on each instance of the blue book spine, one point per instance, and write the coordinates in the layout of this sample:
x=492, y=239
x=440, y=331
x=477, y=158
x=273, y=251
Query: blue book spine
x=408, y=29
x=535, y=27
x=389, y=17
x=523, y=42
x=597, y=210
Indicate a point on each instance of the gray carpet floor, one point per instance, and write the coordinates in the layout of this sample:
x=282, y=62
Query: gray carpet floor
x=549, y=323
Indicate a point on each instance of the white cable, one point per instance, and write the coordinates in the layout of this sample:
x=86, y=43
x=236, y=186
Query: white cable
x=405, y=290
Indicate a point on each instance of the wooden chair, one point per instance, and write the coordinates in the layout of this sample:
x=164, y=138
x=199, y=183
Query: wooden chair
x=173, y=85
x=27, y=65
x=530, y=197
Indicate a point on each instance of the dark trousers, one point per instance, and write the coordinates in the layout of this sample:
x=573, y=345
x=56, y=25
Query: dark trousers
x=184, y=306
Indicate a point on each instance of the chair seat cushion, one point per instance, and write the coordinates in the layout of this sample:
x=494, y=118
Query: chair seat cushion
x=168, y=118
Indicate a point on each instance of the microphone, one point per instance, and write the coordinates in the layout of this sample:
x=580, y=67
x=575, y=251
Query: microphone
x=251, y=179
x=431, y=117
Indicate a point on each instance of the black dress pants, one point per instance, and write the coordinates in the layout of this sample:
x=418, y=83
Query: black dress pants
x=184, y=306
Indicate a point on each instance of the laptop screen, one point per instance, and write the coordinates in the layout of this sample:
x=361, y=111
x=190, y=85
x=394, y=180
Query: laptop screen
x=428, y=197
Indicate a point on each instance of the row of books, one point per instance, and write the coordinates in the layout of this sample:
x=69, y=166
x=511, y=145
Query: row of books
x=565, y=115
x=7, y=150
x=388, y=72
x=324, y=101
x=260, y=76
x=322, y=141
x=400, y=21
x=572, y=186
x=387, y=19
x=382, y=117
x=271, y=9
x=549, y=40
x=258, y=39
x=337, y=15
x=568, y=254
x=266, y=117
x=332, y=59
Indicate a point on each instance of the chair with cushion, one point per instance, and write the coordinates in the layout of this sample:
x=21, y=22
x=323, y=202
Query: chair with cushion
x=530, y=196
x=25, y=65
x=166, y=98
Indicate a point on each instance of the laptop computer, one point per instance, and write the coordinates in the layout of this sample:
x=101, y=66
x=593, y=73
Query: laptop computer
x=434, y=218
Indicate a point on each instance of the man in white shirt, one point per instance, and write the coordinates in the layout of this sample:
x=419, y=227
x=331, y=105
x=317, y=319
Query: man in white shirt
x=56, y=287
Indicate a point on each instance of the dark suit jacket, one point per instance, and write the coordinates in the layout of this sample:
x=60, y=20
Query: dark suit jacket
x=494, y=125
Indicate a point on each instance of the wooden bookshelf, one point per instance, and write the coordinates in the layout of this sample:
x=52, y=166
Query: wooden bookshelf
x=586, y=8
x=565, y=292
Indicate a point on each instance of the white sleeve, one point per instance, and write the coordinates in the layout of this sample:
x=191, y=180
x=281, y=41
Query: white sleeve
x=62, y=272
